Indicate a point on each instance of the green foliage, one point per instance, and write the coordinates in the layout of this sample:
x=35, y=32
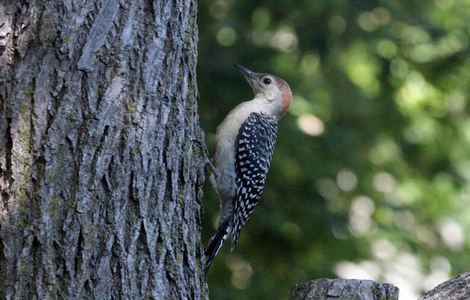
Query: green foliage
x=371, y=172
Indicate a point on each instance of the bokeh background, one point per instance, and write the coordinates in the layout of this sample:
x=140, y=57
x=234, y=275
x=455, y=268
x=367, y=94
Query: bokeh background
x=371, y=173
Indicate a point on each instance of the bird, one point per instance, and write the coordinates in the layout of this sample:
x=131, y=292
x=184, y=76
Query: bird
x=244, y=145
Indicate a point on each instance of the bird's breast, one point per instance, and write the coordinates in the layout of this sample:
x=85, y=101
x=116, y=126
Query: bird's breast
x=224, y=158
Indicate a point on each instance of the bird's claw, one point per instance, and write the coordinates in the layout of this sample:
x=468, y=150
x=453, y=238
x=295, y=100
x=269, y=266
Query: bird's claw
x=205, y=152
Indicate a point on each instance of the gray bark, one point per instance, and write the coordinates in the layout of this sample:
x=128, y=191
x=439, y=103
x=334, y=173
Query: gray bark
x=100, y=184
x=345, y=289
x=457, y=288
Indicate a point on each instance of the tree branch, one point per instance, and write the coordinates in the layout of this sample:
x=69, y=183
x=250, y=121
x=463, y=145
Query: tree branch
x=344, y=289
x=329, y=289
x=456, y=288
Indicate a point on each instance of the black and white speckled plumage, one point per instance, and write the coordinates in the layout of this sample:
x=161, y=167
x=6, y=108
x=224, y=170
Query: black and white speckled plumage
x=254, y=150
x=254, y=146
x=243, y=150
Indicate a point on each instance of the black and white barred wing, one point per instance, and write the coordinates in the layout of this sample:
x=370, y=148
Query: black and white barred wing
x=254, y=150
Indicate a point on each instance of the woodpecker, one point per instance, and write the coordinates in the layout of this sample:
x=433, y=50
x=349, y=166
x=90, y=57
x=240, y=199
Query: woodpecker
x=244, y=146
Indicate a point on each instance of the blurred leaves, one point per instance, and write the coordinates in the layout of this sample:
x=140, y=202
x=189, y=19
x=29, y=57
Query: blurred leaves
x=371, y=172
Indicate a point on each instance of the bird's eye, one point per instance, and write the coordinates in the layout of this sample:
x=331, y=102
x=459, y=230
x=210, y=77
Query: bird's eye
x=267, y=80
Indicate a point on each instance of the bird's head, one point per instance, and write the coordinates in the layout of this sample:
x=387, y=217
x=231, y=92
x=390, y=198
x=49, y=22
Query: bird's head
x=272, y=88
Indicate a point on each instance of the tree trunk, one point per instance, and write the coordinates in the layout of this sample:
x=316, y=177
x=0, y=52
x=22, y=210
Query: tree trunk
x=99, y=178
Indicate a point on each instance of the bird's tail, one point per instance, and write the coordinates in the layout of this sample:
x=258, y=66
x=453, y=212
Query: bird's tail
x=215, y=243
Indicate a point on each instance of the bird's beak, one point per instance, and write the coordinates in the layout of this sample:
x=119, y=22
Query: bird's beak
x=249, y=75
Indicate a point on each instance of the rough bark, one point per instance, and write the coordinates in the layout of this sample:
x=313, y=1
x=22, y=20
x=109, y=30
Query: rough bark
x=457, y=288
x=99, y=180
x=329, y=289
